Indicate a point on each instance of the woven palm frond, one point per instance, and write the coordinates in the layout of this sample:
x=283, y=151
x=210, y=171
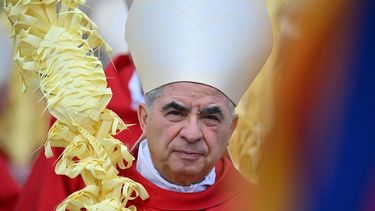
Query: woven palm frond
x=55, y=46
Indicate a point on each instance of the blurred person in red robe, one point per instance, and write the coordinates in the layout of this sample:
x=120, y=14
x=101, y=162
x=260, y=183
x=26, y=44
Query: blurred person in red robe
x=10, y=189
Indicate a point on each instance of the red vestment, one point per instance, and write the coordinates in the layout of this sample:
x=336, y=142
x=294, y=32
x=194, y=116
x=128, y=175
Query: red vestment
x=231, y=191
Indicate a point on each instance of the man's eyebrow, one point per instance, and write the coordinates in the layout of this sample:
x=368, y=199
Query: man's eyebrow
x=175, y=106
x=214, y=110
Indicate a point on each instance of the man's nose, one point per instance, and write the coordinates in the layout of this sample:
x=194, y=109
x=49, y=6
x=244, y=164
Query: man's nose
x=191, y=131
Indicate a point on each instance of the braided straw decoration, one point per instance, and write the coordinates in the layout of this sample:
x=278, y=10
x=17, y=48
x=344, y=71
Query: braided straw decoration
x=55, y=46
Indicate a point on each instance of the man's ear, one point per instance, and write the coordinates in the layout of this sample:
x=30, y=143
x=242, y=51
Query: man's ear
x=234, y=123
x=142, y=116
x=232, y=127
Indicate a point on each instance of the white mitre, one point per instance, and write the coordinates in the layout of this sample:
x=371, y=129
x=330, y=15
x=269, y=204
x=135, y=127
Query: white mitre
x=220, y=43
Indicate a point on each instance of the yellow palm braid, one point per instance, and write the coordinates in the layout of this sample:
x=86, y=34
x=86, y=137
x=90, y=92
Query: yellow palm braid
x=55, y=45
x=255, y=110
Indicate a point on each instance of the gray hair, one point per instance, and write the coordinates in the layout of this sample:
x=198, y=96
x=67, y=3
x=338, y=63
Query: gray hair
x=152, y=95
x=232, y=108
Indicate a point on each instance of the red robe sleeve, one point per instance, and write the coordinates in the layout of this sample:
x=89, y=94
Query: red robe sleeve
x=44, y=190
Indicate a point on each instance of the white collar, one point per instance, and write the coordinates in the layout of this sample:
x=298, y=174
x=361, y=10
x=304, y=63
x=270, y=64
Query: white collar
x=147, y=170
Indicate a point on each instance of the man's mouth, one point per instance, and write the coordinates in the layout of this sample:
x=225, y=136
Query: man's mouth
x=188, y=155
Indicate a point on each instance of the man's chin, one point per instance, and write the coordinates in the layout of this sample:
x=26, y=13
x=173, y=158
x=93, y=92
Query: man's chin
x=187, y=176
x=188, y=180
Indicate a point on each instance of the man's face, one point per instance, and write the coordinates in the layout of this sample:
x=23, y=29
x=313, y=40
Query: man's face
x=188, y=130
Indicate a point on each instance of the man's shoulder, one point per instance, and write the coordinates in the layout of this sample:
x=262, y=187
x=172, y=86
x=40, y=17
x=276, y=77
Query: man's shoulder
x=230, y=179
x=237, y=192
x=231, y=190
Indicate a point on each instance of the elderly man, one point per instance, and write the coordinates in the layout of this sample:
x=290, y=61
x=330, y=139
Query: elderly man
x=195, y=60
x=181, y=163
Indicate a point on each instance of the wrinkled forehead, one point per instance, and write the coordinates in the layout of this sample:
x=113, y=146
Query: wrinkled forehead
x=192, y=92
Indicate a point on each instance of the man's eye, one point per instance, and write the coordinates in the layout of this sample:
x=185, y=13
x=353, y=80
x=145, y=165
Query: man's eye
x=212, y=118
x=174, y=113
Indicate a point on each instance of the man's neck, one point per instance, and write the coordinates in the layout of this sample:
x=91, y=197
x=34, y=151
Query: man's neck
x=147, y=170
